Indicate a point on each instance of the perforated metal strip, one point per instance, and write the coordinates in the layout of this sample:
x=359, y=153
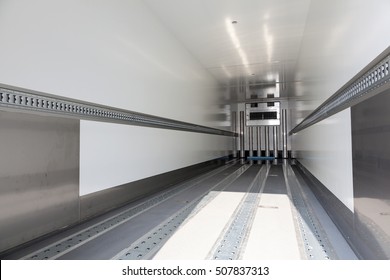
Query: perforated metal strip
x=150, y=243
x=75, y=240
x=229, y=246
x=316, y=245
x=372, y=80
x=32, y=102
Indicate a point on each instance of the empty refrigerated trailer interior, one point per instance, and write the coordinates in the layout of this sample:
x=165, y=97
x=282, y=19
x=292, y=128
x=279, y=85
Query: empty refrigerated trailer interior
x=197, y=129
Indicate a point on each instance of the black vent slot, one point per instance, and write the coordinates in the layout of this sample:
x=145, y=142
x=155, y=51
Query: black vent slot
x=263, y=116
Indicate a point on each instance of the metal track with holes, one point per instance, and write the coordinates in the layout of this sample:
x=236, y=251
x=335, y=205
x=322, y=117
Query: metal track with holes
x=315, y=242
x=148, y=245
x=75, y=240
x=313, y=238
x=35, y=102
x=229, y=246
x=373, y=79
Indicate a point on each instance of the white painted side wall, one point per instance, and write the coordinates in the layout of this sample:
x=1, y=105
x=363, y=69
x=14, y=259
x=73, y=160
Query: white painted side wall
x=115, y=53
x=112, y=154
x=325, y=149
x=329, y=58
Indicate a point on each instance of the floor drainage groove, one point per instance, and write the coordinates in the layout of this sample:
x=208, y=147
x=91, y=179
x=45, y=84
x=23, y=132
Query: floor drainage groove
x=149, y=244
x=72, y=242
x=145, y=247
x=229, y=247
x=314, y=240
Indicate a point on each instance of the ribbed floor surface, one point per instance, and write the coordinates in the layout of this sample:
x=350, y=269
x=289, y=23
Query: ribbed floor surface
x=242, y=210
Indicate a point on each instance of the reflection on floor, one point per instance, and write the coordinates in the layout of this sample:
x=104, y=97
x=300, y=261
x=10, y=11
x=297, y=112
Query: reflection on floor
x=242, y=210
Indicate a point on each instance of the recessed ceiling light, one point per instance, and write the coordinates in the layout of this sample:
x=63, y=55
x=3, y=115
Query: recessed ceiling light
x=234, y=22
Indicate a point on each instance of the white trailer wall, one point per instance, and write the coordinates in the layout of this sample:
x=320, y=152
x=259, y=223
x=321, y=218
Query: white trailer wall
x=119, y=54
x=329, y=57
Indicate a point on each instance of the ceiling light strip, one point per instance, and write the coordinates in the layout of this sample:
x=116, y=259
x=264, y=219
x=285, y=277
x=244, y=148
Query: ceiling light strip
x=21, y=100
x=372, y=80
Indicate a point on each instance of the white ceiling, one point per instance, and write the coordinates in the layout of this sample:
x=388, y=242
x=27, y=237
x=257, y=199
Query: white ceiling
x=301, y=44
x=263, y=46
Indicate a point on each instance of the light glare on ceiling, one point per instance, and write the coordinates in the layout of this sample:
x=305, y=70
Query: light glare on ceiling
x=236, y=42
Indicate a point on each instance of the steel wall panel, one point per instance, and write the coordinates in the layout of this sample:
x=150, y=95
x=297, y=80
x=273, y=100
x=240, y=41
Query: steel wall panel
x=371, y=177
x=39, y=176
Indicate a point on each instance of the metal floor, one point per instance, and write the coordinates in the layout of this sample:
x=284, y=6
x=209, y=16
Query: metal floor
x=242, y=210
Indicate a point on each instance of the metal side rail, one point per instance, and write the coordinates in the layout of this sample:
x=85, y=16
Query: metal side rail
x=77, y=239
x=33, y=102
x=229, y=245
x=371, y=80
x=146, y=246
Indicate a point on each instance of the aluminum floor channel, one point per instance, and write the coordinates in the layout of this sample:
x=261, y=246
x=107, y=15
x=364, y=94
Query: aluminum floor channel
x=243, y=210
